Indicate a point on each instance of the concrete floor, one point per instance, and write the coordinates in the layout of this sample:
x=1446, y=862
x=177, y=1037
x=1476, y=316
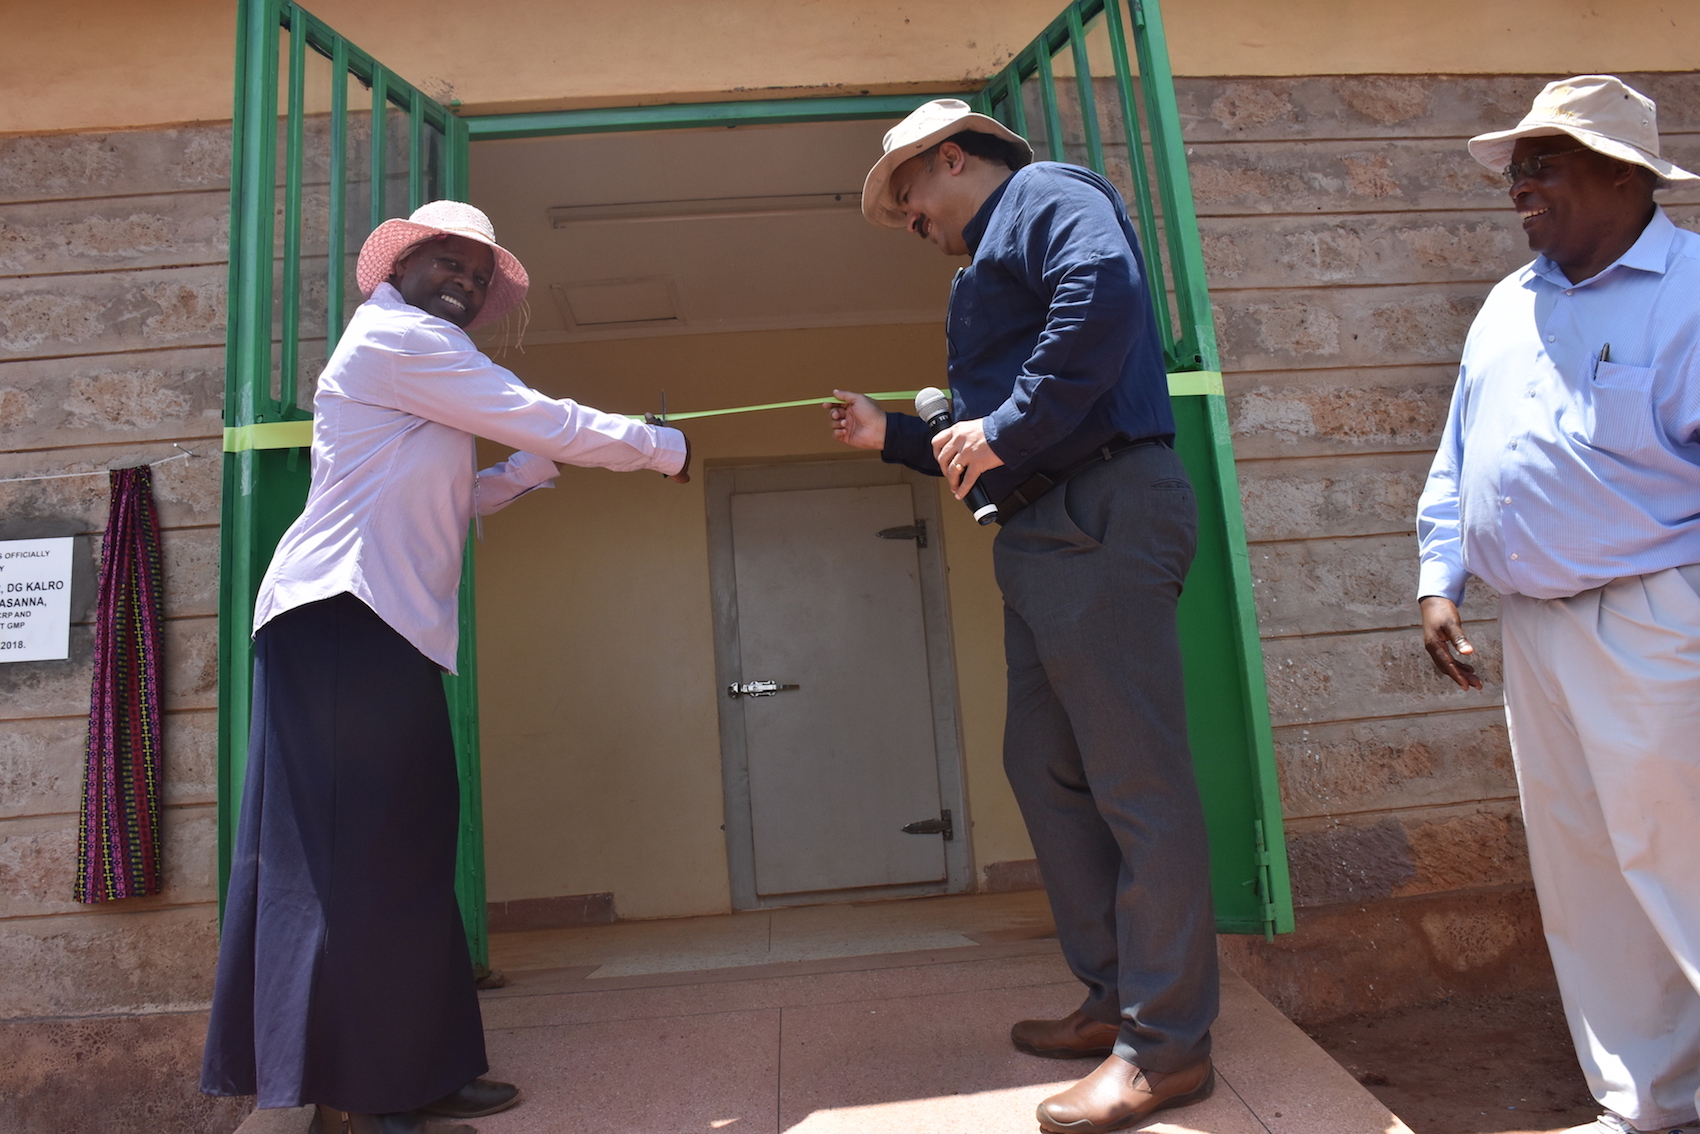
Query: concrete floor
x=842, y=1020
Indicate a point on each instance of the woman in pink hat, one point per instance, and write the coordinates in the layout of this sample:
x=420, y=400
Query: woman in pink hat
x=343, y=977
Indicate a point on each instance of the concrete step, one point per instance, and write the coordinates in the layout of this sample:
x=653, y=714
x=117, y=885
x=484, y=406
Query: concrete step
x=913, y=1040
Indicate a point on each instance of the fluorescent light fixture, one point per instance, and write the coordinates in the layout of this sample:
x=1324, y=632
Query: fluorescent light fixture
x=703, y=208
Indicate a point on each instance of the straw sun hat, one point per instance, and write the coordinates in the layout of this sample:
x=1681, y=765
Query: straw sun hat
x=1600, y=111
x=392, y=239
x=927, y=125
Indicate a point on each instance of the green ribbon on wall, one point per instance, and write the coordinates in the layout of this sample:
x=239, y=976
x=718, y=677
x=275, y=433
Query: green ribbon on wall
x=269, y=435
x=1191, y=383
x=299, y=434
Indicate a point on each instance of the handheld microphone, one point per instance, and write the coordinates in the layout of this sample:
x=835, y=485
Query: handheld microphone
x=933, y=404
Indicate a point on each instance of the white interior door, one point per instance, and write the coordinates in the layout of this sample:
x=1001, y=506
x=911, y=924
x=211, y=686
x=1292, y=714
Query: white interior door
x=838, y=766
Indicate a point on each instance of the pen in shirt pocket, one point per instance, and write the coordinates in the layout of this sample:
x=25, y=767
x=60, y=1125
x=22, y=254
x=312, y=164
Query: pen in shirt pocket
x=1603, y=356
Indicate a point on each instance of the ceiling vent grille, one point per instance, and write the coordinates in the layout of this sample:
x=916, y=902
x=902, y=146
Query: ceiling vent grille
x=610, y=303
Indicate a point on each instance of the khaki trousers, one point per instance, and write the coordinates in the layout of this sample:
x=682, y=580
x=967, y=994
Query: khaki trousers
x=1602, y=694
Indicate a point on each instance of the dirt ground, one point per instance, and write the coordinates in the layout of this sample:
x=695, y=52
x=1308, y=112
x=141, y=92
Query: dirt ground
x=1484, y=1065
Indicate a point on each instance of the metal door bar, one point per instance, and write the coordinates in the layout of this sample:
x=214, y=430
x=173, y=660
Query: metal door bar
x=696, y=115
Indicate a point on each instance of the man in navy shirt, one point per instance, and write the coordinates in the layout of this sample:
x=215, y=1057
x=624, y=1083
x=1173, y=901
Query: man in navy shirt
x=1062, y=414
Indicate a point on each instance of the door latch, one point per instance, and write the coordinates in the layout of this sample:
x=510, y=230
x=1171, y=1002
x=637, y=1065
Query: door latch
x=939, y=826
x=757, y=688
x=916, y=531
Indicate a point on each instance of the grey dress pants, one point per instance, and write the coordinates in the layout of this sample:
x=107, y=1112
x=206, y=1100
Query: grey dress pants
x=1095, y=746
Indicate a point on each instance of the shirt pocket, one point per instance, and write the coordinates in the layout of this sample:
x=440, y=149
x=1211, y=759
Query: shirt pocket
x=1622, y=409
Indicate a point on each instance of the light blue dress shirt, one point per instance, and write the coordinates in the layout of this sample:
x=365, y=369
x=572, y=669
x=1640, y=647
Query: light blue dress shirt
x=1565, y=464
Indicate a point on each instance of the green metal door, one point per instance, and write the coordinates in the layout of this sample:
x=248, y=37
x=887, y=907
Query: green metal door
x=1077, y=96
x=327, y=144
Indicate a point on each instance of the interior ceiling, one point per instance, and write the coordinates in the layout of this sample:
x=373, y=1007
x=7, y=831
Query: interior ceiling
x=698, y=231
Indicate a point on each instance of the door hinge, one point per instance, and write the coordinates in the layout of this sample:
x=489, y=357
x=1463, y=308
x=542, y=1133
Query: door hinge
x=940, y=826
x=1265, y=881
x=916, y=531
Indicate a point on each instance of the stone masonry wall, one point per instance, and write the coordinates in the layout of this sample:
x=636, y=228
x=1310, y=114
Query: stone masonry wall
x=112, y=283
x=1350, y=239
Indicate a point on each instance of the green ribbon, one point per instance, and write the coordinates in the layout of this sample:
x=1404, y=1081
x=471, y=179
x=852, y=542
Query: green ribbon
x=299, y=434
x=1181, y=385
x=889, y=396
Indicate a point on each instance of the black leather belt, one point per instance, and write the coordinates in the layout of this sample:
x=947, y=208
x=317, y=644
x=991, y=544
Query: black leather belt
x=1038, y=484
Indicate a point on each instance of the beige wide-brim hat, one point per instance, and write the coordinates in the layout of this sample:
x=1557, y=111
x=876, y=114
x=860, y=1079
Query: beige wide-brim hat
x=1600, y=111
x=392, y=239
x=927, y=126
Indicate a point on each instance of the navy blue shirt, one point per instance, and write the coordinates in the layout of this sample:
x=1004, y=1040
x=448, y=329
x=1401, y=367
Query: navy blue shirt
x=1052, y=337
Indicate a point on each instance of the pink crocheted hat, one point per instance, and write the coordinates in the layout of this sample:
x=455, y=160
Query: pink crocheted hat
x=391, y=239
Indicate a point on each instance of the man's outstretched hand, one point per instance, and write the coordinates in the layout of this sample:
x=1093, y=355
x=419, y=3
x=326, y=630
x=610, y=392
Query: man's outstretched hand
x=1443, y=632
x=857, y=420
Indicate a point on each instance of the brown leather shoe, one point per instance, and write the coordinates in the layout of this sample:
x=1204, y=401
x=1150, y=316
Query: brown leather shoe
x=1118, y=1095
x=1075, y=1036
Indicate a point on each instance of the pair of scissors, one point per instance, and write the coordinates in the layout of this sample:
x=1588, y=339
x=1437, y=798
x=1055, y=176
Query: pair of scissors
x=658, y=419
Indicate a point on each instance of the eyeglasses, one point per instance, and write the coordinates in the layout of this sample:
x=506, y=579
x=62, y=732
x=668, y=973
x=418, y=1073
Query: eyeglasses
x=1516, y=171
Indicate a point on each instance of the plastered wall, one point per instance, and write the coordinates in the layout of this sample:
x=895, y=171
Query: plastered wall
x=103, y=64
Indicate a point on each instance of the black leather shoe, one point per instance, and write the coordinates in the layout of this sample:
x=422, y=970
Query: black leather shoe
x=475, y=1100
x=404, y=1122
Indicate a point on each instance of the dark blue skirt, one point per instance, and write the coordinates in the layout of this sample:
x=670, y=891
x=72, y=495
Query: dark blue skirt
x=343, y=971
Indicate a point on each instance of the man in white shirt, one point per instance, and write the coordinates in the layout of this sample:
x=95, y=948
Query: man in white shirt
x=1568, y=480
x=344, y=978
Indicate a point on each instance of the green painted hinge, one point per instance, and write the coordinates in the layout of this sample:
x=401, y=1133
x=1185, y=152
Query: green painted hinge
x=1265, y=883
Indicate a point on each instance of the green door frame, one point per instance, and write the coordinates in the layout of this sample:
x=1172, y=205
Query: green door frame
x=267, y=430
x=265, y=476
x=1227, y=698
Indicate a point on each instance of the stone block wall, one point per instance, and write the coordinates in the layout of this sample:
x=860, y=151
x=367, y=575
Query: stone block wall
x=1350, y=239
x=112, y=282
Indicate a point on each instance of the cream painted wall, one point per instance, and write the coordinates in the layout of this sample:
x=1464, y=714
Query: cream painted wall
x=100, y=64
x=596, y=639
